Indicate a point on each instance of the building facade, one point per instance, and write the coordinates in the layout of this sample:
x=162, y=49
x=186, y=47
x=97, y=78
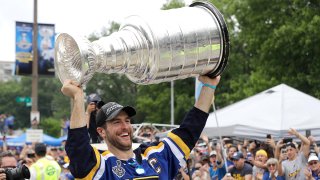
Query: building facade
x=6, y=71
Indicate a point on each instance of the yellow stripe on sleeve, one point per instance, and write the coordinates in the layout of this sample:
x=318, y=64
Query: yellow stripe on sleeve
x=152, y=148
x=180, y=143
x=95, y=168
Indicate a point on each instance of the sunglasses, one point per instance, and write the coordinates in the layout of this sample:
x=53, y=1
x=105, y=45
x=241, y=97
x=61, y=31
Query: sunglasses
x=313, y=162
x=269, y=165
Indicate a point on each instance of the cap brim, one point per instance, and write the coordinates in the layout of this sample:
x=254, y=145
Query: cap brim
x=128, y=109
x=313, y=158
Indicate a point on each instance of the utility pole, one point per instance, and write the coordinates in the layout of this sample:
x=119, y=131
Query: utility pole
x=34, y=94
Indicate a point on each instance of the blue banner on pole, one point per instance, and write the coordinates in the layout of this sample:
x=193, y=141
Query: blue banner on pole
x=24, y=48
x=46, y=49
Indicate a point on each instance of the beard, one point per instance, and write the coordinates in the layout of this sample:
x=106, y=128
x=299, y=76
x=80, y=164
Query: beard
x=112, y=139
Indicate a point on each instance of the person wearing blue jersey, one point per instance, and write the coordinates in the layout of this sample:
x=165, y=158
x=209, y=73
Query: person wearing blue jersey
x=159, y=160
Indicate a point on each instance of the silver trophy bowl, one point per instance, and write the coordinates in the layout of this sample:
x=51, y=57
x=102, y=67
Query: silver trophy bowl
x=160, y=47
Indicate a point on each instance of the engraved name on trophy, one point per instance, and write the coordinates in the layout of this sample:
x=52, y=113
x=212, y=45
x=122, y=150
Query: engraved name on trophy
x=160, y=47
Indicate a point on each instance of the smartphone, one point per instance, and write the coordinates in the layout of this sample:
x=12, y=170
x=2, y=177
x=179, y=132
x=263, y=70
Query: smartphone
x=287, y=140
x=268, y=136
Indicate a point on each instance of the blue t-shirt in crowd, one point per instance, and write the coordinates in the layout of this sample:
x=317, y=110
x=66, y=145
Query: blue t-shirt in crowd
x=266, y=176
x=315, y=175
x=217, y=173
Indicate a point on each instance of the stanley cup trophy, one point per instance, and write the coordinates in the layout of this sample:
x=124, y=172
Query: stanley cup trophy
x=161, y=47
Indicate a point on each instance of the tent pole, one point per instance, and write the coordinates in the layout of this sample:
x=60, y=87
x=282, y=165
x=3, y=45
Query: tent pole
x=223, y=151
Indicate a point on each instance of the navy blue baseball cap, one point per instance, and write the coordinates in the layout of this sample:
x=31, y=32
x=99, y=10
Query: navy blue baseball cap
x=237, y=156
x=93, y=98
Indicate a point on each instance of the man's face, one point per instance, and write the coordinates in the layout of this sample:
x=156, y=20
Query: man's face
x=119, y=132
x=291, y=152
x=8, y=162
x=238, y=163
x=314, y=165
x=92, y=106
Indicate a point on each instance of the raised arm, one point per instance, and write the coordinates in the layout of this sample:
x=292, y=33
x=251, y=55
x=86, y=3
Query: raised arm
x=83, y=158
x=74, y=91
x=207, y=93
x=304, y=141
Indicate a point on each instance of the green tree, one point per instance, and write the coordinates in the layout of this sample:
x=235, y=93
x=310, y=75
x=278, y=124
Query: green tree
x=51, y=126
x=272, y=42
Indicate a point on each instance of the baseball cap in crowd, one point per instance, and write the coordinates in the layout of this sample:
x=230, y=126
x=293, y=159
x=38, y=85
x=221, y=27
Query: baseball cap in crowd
x=291, y=144
x=313, y=157
x=111, y=110
x=237, y=156
x=40, y=148
x=213, y=153
x=93, y=98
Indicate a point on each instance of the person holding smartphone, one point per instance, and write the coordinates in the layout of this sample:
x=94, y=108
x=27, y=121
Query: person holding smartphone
x=293, y=168
x=94, y=103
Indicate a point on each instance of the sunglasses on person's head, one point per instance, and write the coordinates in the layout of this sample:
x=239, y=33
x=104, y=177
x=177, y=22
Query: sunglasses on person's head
x=313, y=162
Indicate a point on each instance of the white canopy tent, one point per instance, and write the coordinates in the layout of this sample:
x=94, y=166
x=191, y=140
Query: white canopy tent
x=272, y=111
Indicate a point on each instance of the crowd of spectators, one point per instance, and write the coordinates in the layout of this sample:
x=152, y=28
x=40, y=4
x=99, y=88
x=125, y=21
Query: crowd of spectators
x=30, y=154
x=293, y=157
x=6, y=124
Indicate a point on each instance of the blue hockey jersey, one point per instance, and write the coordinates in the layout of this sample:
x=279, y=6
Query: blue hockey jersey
x=156, y=161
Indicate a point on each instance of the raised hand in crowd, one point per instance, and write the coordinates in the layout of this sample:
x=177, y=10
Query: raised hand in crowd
x=308, y=174
x=305, y=143
x=271, y=142
x=278, y=148
x=206, y=141
x=185, y=176
x=219, y=155
x=313, y=142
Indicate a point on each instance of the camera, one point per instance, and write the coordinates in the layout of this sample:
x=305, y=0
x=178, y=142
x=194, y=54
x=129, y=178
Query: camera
x=287, y=140
x=268, y=136
x=17, y=173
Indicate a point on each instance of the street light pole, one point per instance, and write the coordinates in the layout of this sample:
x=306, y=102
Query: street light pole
x=35, y=76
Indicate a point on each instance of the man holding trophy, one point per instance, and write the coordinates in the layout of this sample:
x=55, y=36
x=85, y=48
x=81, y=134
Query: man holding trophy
x=158, y=161
x=194, y=43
